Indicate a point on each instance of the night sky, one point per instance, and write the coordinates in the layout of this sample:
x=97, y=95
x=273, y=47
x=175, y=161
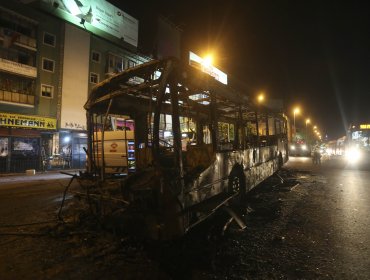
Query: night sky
x=315, y=54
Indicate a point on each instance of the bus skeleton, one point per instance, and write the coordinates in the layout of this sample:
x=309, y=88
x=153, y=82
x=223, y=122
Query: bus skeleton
x=191, y=146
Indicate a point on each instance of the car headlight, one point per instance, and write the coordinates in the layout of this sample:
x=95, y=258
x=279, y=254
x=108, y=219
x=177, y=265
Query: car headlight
x=304, y=147
x=353, y=155
x=292, y=147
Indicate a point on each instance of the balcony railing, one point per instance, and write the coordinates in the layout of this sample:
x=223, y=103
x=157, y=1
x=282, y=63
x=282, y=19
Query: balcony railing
x=18, y=68
x=18, y=39
x=16, y=98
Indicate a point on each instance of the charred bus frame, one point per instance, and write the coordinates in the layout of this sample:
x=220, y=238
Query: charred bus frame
x=178, y=185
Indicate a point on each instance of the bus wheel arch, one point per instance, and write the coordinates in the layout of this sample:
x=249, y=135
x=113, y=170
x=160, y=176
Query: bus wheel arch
x=237, y=184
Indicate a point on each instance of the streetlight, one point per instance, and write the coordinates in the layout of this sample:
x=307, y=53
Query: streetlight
x=260, y=99
x=307, y=122
x=207, y=61
x=295, y=111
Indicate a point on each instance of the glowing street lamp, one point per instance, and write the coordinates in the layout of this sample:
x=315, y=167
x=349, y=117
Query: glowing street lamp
x=206, y=64
x=307, y=122
x=295, y=111
x=207, y=61
x=260, y=98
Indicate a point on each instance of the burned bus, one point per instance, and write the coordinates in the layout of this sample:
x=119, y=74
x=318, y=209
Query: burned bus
x=181, y=143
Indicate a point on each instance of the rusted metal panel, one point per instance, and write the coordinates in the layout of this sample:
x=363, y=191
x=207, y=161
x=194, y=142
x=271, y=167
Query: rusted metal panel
x=213, y=180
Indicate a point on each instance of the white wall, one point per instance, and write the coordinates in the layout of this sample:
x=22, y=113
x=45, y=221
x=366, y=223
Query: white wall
x=75, y=77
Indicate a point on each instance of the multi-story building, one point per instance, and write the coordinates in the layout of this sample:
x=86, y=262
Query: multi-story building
x=51, y=54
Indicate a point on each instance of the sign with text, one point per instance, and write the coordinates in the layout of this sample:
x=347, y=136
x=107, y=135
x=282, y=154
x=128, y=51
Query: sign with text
x=15, y=120
x=198, y=62
x=100, y=14
x=364, y=126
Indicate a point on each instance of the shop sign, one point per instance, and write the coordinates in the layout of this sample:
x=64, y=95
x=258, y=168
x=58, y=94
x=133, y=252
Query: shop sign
x=74, y=125
x=15, y=120
x=364, y=126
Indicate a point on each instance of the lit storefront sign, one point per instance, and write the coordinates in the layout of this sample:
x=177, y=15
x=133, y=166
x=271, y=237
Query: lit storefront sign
x=100, y=14
x=364, y=126
x=198, y=62
x=15, y=120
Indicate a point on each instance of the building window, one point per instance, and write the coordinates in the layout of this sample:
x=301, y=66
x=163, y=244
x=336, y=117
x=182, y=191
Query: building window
x=115, y=64
x=95, y=56
x=49, y=39
x=131, y=64
x=48, y=65
x=94, y=78
x=47, y=91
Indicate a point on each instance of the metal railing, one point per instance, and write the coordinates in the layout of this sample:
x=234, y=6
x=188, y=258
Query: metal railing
x=3, y=164
x=18, y=38
x=22, y=164
x=17, y=97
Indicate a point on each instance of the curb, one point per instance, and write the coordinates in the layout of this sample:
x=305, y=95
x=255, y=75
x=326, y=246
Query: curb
x=41, y=172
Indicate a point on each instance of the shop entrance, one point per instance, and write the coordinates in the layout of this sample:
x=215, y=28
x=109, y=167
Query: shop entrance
x=24, y=154
x=4, y=154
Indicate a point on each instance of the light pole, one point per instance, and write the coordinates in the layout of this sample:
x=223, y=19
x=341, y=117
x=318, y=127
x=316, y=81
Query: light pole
x=260, y=99
x=295, y=111
x=307, y=122
x=314, y=132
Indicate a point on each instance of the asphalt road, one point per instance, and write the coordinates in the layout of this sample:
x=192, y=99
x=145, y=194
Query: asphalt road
x=341, y=195
x=23, y=198
x=316, y=226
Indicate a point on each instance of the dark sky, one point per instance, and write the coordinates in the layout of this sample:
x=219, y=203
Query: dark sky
x=315, y=54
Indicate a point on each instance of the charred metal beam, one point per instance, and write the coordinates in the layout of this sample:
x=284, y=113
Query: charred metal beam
x=235, y=216
x=113, y=83
x=161, y=96
x=176, y=130
x=102, y=173
x=119, y=92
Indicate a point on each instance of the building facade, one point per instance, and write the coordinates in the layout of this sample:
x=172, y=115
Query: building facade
x=50, y=59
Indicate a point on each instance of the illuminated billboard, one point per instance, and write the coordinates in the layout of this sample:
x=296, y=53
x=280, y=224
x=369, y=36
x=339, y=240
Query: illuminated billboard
x=364, y=126
x=198, y=62
x=27, y=121
x=100, y=14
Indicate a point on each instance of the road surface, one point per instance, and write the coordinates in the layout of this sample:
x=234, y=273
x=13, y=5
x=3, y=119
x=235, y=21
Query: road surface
x=315, y=226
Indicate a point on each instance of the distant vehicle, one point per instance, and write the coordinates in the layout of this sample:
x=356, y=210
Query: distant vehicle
x=357, y=148
x=299, y=148
x=336, y=147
